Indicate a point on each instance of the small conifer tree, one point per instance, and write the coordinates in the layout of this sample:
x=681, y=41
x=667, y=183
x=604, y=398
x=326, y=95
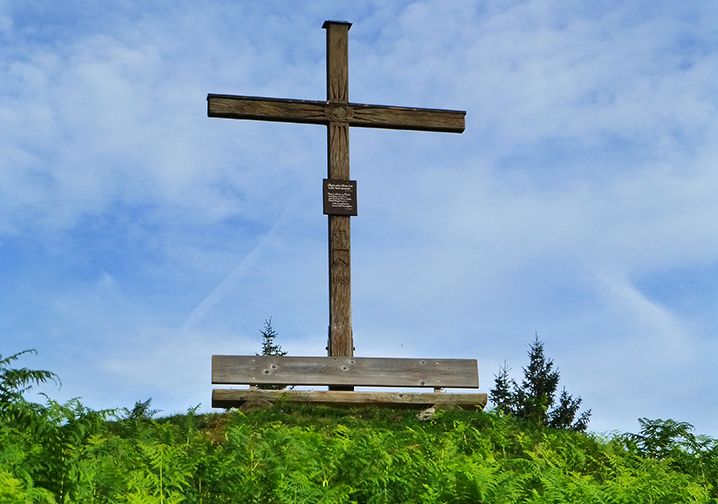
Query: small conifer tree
x=269, y=347
x=502, y=393
x=535, y=398
x=538, y=388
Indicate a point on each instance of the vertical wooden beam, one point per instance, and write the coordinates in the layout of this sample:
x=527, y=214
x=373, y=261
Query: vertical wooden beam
x=340, y=316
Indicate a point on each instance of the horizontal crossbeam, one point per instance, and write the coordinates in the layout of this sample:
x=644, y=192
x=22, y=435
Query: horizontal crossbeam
x=233, y=398
x=266, y=109
x=356, y=371
x=322, y=112
x=407, y=118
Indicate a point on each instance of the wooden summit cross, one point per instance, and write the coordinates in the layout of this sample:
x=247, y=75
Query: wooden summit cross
x=337, y=114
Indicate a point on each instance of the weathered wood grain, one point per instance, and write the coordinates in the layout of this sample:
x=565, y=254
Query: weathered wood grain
x=337, y=114
x=230, y=398
x=341, y=343
x=266, y=109
x=380, y=116
x=356, y=371
x=337, y=61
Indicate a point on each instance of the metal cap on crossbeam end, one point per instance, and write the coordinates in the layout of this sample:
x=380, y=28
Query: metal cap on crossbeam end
x=331, y=22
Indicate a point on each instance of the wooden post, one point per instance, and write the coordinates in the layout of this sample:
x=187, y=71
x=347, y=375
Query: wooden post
x=340, y=313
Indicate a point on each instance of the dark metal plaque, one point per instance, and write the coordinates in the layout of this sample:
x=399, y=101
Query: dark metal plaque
x=340, y=197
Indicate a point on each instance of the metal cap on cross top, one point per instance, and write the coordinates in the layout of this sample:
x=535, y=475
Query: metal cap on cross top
x=337, y=114
x=332, y=21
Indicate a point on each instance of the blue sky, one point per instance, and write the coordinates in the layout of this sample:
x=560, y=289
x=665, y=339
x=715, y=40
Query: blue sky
x=138, y=237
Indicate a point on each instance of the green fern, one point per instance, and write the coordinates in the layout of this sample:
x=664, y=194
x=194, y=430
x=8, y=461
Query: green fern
x=295, y=453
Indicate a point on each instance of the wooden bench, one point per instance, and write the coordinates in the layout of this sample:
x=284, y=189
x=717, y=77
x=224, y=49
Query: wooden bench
x=345, y=372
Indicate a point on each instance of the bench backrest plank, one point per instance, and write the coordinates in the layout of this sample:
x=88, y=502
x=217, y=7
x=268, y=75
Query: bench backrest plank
x=357, y=371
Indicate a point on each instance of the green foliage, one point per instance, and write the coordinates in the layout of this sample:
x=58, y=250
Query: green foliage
x=676, y=444
x=15, y=382
x=68, y=453
x=294, y=453
x=665, y=439
x=535, y=399
x=141, y=410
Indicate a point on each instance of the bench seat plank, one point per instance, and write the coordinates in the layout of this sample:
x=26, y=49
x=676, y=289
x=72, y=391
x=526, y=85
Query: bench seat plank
x=353, y=371
x=231, y=398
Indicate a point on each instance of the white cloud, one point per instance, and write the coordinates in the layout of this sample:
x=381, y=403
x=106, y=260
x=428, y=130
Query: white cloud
x=587, y=163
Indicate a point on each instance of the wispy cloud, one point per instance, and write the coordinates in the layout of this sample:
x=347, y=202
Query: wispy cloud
x=586, y=169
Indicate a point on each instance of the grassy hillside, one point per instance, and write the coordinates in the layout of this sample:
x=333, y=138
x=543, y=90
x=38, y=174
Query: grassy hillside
x=292, y=453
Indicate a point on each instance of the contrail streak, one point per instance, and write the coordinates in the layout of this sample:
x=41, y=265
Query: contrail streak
x=220, y=292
